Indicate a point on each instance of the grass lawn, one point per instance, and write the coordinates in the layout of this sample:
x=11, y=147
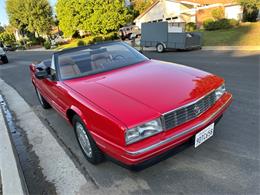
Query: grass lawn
x=71, y=44
x=247, y=34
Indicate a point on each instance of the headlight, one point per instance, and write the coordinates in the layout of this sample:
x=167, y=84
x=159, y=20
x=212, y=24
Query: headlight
x=220, y=91
x=142, y=131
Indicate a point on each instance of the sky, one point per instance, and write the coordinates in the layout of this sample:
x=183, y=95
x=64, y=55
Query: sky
x=3, y=15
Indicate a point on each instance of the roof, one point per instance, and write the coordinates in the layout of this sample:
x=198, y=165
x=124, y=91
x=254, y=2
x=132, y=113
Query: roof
x=201, y=2
x=209, y=2
x=148, y=9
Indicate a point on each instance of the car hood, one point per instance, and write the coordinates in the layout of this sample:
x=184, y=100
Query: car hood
x=141, y=92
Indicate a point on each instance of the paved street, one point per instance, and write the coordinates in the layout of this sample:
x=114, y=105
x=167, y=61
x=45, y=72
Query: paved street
x=228, y=163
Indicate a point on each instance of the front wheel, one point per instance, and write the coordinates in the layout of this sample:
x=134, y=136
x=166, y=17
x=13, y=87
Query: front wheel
x=93, y=154
x=41, y=99
x=160, y=48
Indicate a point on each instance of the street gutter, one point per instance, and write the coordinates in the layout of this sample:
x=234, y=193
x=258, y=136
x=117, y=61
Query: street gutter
x=12, y=178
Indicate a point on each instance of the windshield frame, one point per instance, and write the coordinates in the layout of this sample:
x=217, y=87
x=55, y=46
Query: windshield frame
x=97, y=45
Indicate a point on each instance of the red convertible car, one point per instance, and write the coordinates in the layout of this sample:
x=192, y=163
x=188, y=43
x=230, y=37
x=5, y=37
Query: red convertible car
x=127, y=106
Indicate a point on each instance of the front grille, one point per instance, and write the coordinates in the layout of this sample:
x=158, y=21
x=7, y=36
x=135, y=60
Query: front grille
x=189, y=112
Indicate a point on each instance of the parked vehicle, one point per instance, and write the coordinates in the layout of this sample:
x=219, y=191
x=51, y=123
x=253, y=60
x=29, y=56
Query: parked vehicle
x=10, y=47
x=162, y=36
x=3, y=56
x=127, y=32
x=127, y=106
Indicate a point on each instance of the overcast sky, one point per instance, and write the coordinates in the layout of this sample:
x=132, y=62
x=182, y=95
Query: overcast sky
x=3, y=16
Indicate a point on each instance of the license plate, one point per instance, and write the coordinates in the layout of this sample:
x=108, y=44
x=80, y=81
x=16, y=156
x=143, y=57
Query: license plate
x=204, y=134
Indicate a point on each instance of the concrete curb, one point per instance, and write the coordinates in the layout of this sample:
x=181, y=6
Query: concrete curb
x=232, y=48
x=11, y=175
x=216, y=48
x=57, y=167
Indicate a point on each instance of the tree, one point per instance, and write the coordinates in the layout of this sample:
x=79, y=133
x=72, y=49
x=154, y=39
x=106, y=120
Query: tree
x=71, y=15
x=1, y=29
x=16, y=13
x=94, y=16
x=106, y=16
x=218, y=13
x=7, y=38
x=141, y=5
x=10, y=29
x=40, y=17
x=250, y=9
x=34, y=16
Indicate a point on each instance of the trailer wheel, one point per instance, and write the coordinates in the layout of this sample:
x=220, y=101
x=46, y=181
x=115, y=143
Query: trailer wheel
x=160, y=48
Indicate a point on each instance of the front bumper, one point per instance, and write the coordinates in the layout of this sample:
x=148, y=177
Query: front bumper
x=147, y=149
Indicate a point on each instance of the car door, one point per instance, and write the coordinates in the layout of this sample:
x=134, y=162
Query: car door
x=54, y=91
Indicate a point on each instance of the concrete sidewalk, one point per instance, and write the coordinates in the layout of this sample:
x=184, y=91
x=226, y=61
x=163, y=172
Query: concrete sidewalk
x=12, y=181
x=214, y=48
x=232, y=48
x=56, y=165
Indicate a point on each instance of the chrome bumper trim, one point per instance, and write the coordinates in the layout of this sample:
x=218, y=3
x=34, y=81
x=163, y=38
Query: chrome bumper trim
x=134, y=153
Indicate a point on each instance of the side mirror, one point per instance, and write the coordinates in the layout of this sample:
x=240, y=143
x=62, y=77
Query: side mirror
x=42, y=74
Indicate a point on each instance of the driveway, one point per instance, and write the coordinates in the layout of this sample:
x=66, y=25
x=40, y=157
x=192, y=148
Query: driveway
x=228, y=163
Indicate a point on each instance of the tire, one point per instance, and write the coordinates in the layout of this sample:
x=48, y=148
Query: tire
x=160, y=48
x=41, y=99
x=129, y=36
x=4, y=59
x=88, y=146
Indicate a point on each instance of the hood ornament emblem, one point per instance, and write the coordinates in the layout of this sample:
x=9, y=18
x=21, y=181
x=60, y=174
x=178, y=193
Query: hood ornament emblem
x=197, y=110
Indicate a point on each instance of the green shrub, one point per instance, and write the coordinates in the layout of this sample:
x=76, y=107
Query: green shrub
x=223, y=24
x=47, y=44
x=209, y=24
x=35, y=41
x=190, y=27
x=218, y=13
x=233, y=23
x=250, y=13
x=220, y=24
x=81, y=43
x=98, y=39
x=90, y=40
x=112, y=36
x=21, y=47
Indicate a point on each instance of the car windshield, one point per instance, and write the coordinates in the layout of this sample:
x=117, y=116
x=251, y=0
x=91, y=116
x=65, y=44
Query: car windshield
x=95, y=59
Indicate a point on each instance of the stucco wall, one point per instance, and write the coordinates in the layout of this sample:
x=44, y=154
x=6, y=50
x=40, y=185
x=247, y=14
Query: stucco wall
x=204, y=14
x=234, y=12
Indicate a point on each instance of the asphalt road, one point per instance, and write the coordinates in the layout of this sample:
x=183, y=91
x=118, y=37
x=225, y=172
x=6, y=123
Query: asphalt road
x=228, y=163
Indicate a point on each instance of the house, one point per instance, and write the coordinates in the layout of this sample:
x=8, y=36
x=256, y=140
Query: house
x=184, y=11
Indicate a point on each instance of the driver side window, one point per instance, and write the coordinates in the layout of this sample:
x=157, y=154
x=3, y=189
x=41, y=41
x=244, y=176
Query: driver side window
x=53, y=70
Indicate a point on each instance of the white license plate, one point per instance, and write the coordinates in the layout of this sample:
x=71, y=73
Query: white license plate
x=204, y=134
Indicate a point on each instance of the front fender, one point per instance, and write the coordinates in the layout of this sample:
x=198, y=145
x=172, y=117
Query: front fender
x=79, y=113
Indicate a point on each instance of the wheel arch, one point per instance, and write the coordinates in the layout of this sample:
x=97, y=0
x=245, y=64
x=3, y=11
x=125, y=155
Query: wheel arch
x=74, y=111
x=158, y=43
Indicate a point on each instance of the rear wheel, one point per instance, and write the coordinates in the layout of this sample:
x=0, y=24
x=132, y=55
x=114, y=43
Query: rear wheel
x=4, y=59
x=160, y=48
x=92, y=153
x=41, y=99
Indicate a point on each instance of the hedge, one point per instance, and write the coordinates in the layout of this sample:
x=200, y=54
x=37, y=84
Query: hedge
x=211, y=24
